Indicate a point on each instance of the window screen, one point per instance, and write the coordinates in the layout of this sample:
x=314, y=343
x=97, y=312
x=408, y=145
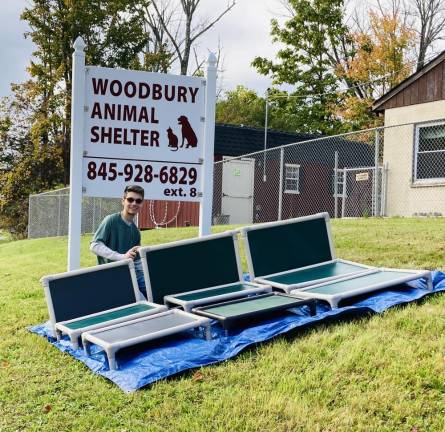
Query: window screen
x=430, y=152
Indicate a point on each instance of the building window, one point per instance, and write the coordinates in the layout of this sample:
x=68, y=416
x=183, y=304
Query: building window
x=292, y=178
x=429, y=152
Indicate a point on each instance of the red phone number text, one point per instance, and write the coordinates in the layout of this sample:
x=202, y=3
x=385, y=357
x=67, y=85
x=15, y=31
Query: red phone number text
x=139, y=173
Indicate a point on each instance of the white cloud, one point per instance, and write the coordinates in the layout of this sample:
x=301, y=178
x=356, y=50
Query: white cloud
x=15, y=49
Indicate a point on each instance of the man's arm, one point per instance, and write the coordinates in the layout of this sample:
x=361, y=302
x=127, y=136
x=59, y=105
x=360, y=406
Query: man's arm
x=103, y=251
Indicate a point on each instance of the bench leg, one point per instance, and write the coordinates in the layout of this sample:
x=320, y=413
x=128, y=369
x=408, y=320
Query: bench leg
x=74, y=341
x=429, y=283
x=313, y=308
x=208, y=332
x=334, y=303
x=86, y=348
x=111, y=355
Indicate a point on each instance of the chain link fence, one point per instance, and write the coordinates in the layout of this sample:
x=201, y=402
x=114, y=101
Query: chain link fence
x=342, y=175
x=49, y=211
x=391, y=171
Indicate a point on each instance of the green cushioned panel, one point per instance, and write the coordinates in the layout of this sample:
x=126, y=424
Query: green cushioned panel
x=108, y=316
x=74, y=296
x=260, y=304
x=278, y=248
x=213, y=292
x=152, y=324
x=359, y=282
x=191, y=267
x=321, y=272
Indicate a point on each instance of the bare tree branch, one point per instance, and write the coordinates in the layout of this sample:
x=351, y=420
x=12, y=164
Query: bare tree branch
x=430, y=25
x=180, y=32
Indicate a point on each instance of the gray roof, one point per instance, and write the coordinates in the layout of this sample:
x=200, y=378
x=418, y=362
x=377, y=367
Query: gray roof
x=231, y=140
x=235, y=141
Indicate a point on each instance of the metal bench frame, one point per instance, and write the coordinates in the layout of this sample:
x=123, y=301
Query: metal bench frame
x=93, y=337
x=189, y=305
x=59, y=328
x=334, y=299
x=289, y=287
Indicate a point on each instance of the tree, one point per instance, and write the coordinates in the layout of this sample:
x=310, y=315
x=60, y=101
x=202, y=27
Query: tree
x=379, y=61
x=241, y=106
x=114, y=38
x=338, y=70
x=26, y=166
x=308, y=35
x=173, y=31
x=429, y=25
x=35, y=123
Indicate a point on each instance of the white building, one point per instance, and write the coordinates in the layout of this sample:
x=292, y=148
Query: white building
x=415, y=153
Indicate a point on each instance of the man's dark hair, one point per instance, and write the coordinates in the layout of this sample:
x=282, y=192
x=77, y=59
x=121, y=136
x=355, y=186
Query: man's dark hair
x=134, y=188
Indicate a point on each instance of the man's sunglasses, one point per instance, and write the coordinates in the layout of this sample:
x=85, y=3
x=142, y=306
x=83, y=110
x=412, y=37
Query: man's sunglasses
x=132, y=200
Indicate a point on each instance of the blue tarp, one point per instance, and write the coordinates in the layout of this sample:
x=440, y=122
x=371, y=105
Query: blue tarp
x=146, y=364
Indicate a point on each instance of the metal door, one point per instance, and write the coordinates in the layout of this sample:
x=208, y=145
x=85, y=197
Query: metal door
x=237, y=190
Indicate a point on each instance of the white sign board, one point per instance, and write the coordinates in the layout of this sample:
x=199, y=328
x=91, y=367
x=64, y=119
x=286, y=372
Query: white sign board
x=363, y=176
x=133, y=127
x=143, y=128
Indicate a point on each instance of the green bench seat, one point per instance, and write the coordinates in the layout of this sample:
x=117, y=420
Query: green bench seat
x=324, y=271
x=108, y=316
x=191, y=299
x=335, y=291
x=235, y=312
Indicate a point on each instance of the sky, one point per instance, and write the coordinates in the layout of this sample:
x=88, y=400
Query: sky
x=243, y=34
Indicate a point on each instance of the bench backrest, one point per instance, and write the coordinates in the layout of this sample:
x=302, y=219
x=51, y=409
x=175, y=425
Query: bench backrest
x=190, y=265
x=279, y=246
x=83, y=292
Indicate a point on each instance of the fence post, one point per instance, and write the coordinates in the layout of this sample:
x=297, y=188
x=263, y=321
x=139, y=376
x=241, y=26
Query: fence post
x=29, y=216
x=93, y=225
x=335, y=184
x=375, y=194
x=266, y=119
x=280, y=192
x=384, y=189
x=58, y=214
x=343, y=192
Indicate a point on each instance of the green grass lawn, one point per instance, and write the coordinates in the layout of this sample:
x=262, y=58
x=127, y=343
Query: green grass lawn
x=378, y=373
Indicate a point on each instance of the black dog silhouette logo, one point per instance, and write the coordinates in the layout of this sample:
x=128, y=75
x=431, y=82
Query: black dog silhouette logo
x=188, y=135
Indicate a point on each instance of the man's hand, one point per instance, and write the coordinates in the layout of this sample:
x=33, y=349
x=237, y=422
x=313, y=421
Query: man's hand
x=132, y=252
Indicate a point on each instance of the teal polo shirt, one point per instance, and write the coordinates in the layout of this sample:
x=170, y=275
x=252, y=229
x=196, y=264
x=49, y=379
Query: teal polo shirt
x=119, y=236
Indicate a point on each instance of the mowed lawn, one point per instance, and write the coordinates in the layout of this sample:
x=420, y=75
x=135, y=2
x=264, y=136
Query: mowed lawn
x=377, y=373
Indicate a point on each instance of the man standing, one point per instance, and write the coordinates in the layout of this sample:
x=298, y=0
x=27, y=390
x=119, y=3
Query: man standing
x=118, y=238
